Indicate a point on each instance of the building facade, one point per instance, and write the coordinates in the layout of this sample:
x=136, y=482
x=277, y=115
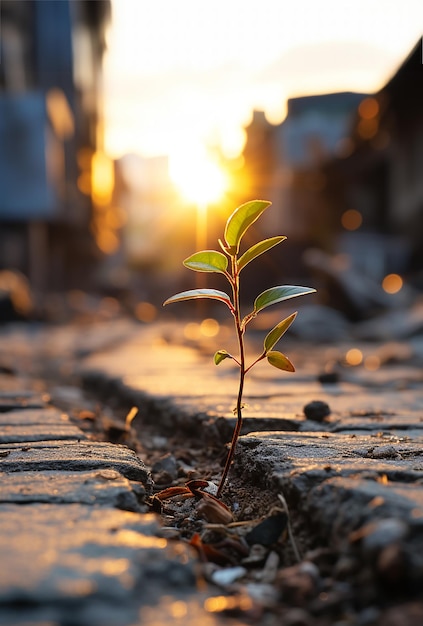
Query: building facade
x=50, y=109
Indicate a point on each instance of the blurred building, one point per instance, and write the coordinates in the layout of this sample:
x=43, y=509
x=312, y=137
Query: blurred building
x=344, y=172
x=51, y=55
x=377, y=189
x=284, y=164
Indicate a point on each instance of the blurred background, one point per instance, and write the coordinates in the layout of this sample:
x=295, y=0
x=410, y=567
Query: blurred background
x=129, y=131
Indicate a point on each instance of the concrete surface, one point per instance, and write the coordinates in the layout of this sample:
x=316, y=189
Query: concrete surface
x=78, y=547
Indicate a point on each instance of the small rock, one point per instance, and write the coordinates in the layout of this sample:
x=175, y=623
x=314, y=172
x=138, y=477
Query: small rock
x=166, y=467
x=157, y=442
x=378, y=535
x=328, y=377
x=257, y=555
x=299, y=583
x=392, y=564
x=316, y=410
x=262, y=593
x=297, y=617
x=383, y=452
x=268, y=531
x=345, y=567
x=225, y=577
x=369, y=616
x=270, y=569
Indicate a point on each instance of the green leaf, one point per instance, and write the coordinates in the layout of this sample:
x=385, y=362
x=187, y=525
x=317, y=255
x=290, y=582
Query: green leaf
x=193, y=294
x=278, y=294
x=279, y=360
x=258, y=249
x=221, y=355
x=276, y=333
x=207, y=261
x=240, y=220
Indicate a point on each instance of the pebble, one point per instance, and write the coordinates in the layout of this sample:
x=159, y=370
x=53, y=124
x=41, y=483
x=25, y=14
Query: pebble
x=225, y=577
x=297, y=617
x=268, y=531
x=316, y=410
x=299, y=583
x=378, y=535
x=328, y=378
x=165, y=469
x=392, y=565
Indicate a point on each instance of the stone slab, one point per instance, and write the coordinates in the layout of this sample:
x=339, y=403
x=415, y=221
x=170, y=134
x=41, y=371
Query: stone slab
x=296, y=463
x=286, y=453
x=73, y=456
x=46, y=432
x=33, y=416
x=341, y=505
x=86, y=566
x=13, y=404
x=103, y=487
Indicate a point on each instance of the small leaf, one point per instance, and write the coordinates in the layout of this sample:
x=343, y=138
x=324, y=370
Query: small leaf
x=278, y=294
x=276, y=333
x=279, y=360
x=207, y=261
x=221, y=355
x=240, y=220
x=258, y=249
x=193, y=294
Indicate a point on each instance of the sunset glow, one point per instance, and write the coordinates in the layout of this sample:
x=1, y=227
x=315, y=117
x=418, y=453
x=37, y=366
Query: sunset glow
x=198, y=178
x=193, y=71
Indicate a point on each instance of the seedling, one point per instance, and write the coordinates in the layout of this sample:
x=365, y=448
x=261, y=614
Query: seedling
x=230, y=264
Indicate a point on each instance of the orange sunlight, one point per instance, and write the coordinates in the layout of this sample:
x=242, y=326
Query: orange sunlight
x=194, y=71
x=198, y=178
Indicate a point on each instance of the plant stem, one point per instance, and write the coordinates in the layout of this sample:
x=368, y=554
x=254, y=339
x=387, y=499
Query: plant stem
x=240, y=335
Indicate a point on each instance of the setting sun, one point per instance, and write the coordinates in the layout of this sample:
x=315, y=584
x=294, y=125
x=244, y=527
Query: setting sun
x=198, y=178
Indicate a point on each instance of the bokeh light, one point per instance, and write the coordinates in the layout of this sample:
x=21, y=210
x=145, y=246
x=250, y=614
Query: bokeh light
x=209, y=327
x=351, y=219
x=145, y=312
x=354, y=357
x=368, y=108
x=392, y=283
x=178, y=609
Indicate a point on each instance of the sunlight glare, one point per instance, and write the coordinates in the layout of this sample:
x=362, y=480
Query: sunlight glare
x=198, y=178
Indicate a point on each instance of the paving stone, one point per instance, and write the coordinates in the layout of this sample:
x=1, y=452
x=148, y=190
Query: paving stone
x=343, y=504
x=363, y=464
x=12, y=404
x=87, y=567
x=402, y=423
x=71, y=456
x=103, y=487
x=22, y=434
x=34, y=416
x=297, y=463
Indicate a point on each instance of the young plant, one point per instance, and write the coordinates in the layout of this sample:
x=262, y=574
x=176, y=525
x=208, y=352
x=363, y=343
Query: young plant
x=230, y=264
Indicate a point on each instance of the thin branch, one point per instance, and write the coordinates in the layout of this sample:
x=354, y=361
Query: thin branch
x=260, y=358
x=290, y=533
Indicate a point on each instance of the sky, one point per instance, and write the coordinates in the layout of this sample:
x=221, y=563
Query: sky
x=180, y=74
